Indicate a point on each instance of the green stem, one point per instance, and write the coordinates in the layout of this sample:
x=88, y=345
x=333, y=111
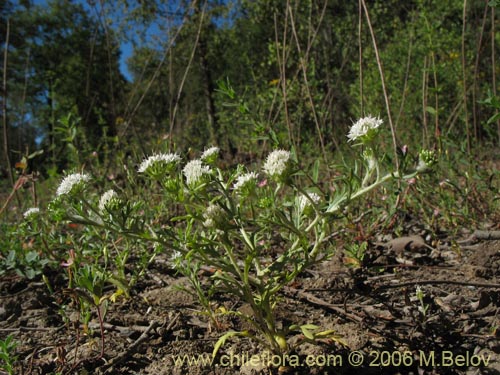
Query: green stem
x=367, y=189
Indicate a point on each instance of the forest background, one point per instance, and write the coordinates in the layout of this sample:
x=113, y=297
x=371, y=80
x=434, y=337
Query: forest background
x=237, y=74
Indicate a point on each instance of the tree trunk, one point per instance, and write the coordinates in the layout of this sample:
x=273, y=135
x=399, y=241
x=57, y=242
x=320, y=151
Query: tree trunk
x=208, y=86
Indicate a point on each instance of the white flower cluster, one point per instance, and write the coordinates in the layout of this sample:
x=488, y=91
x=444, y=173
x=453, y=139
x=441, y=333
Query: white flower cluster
x=210, y=153
x=70, y=181
x=305, y=202
x=31, y=212
x=245, y=180
x=276, y=163
x=194, y=171
x=107, y=199
x=213, y=216
x=364, y=127
x=165, y=159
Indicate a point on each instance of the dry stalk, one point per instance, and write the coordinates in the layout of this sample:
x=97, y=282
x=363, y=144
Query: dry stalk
x=464, y=78
x=307, y=86
x=4, y=105
x=382, y=80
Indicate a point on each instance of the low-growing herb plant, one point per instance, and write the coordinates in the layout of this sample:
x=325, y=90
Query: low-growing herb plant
x=254, y=231
x=424, y=307
x=22, y=249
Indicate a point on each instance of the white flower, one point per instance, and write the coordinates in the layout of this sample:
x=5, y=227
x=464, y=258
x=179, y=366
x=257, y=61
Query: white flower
x=106, y=199
x=419, y=293
x=31, y=212
x=213, y=215
x=364, y=128
x=175, y=257
x=164, y=159
x=209, y=153
x=276, y=163
x=194, y=171
x=305, y=202
x=245, y=180
x=70, y=181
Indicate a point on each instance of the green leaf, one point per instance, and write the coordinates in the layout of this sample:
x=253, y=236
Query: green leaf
x=308, y=334
x=31, y=256
x=11, y=257
x=120, y=283
x=494, y=118
x=315, y=171
x=330, y=334
x=222, y=340
x=30, y=273
x=35, y=154
x=431, y=110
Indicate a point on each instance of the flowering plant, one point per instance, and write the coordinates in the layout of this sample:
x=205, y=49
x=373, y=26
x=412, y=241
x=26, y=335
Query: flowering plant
x=254, y=231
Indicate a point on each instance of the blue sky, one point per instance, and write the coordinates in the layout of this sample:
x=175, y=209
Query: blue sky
x=126, y=52
x=150, y=36
x=126, y=48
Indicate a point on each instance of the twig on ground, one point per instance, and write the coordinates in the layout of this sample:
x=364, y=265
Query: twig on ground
x=116, y=360
x=483, y=235
x=125, y=331
x=435, y=282
x=28, y=329
x=108, y=367
x=308, y=297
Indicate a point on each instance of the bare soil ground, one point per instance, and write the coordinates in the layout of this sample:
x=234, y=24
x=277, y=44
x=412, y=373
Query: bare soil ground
x=373, y=310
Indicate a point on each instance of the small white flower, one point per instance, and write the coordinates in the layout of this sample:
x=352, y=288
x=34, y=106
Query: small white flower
x=31, y=212
x=176, y=256
x=245, y=180
x=176, y=259
x=164, y=159
x=213, y=215
x=419, y=292
x=276, y=163
x=209, y=153
x=70, y=181
x=194, y=171
x=106, y=199
x=364, y=128
x=305, y=202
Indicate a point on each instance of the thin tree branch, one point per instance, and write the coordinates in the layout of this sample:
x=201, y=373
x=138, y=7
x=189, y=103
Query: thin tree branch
x=188, y=67
x=157, y=71
x=282, y=68
x=4, y=105
x=306, y=82
x=360, y=49
x=438, y=282
x=476, y=68
x=464, y=78
x=384, y=89
x=493, y=64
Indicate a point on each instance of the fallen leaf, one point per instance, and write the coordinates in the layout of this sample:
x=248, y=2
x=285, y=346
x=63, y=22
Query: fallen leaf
x=410, y=243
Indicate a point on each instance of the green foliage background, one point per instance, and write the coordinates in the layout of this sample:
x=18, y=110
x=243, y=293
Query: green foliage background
x=243, y=75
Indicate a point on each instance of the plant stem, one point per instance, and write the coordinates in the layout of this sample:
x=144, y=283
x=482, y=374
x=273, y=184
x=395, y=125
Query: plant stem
x=101, y=326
